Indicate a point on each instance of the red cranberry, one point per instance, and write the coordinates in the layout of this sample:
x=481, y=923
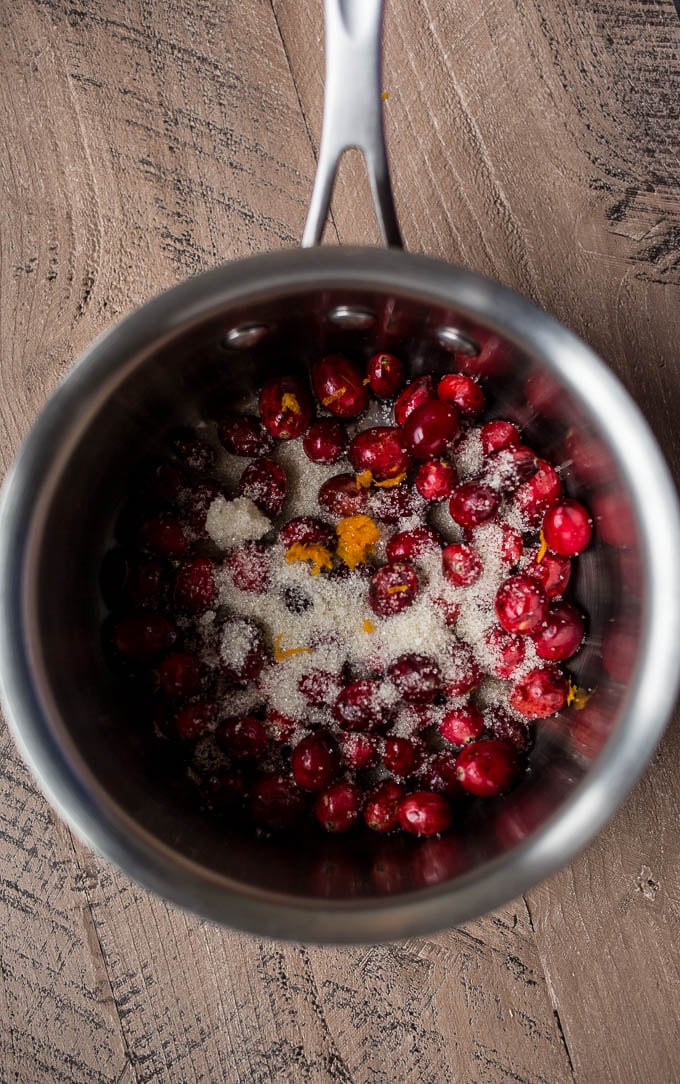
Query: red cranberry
x=417, y=678
x=412, y=717
x=320, y=688
x=567, y=528
x=425, y=814
x=382, y=804
x=462, y=392
x=414, y=543
x=540, y=693
x=339, y=386
x=380, y=450
x=502, y=725
x=436, y=479
x=314, y=762
x=400, y=502
x=144, y=637
x=462, y=564
x=342, y=496
x=194, y=720
x=539, y=493
x=195, y=453
x=506, y=651
x=440, y=775
x=161, y=483
x=244, y=738
x=309, y=531
x=164, y=536
x=512, y=546
x=363, y=706
x=245, y=435
x=521, y=605
x=462, y=671
x=509, y=468
x=180, y=675
x=430, y=428
x=195, y=501
x=224, y=791
x=402, y=756
x=446, y=608
x=285, y=407
x=249, y=566
x=385, y=375
x=414, y=395
x=393, y=588
x=553, y=572
x=358, y=750
x=280, y=728
x=325, y=441
x=562, y=634
x=487, y=767
x=276, y=803
x=195, y=587
x=338, y=808
x=499, y=434
x=140, y=581
x=462, y=725
x=473, y=503
x=265, y=482
x=242, y=653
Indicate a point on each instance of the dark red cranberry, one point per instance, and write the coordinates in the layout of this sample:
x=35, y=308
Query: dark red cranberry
x=242, y=654
x=412, y=544
x=320, y=688
x=140, y=582
x=512, y=546
x=430, y=428
x=338, y=808
x=194, y=720
x=436, y=479
x=521, y=604
x=400, y=502
x=358, y=750
x=380, y=450
x=462, y=673
x=473, y=503
x=506, y=651
x=245, y=435
x=509, y=468
x=462, y=564
x=161, y=483
x=342, y=496
x=417, y=678
x=314, y=762
x=447, y=608
x=499, y=434
x=540, y=693
x=144, y=637
x=567, y=528
x=339, y=386
x=462, y=725
x=195, y=501
x=385, y=375
x=164, y=536
x=280, y=728
x=276, y=803
x=502, y=725
x=539, y=493
x=440, y=775
x=180, y=675
x=249, y=567
x=562, y=634
x=393, y=588
x=224, y=791
x=487, y=767
x=403, y=756
x=553, y=572
x=462, y=392
x=363, y=705
x=285, y=407
x=425, y=814
x=325, y=441
x=414, y=395
x=381, y=812
x=188, y=447
x=307, y=530
x=265, y=482
x=195, y=587
x=243, y=737
x=296, y=600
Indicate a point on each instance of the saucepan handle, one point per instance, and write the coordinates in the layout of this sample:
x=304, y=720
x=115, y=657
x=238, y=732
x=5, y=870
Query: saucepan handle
x=353, y=115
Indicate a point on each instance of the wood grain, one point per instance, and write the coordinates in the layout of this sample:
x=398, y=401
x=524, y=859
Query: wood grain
x=534, y=140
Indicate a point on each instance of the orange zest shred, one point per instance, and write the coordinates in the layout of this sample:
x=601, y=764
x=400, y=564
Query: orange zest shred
x=384, y=96
x=366, y=380
x=577, y=697
x=318, y=556
x=289, y=402
x=543, y=549
x=334, y=397
x=364, y=479
x=357, y=536
x=280, y=654
x=397, y=589
x=369, y=626
x=389, y=482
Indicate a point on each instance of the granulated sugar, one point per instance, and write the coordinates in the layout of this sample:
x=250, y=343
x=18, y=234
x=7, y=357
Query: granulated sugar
x=230, y=522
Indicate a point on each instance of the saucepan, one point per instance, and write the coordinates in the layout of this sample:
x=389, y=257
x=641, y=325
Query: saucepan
x=207, y=345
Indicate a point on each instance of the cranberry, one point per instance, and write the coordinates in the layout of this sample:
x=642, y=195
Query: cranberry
x=265, y=482
x=462, y=673
x=462, y=725
x=504, y=726
x=567, y=528
x=521, y=604
x=440, y=775
x=161, y=483
x=382, y=804
x=224, y=791
x=509, y=468
x=180, y=675
x=400, y=502
x=462, y=392
x=539, y=493
x=338, y=808
x=194, y=720
x=314, y=762
x=358, y=750
x=487, y=767
x=285, y=407
x=562, y=634
x=512, y=546
x=249, y=567
x=413, y=717
x=436, y=479
x=446, y=608
x=385, y=375
x=417, y=678
x=320, y=688
x=164, y=536
x=363, y=706
x=241, y=650
x=414, y=543
x=140, y=581
x=540, y=693
x=462, y=564
x=506, y=651
x=414, y=395
x=339, y=386
x=402, y=756
x=195, y=501
x=430, y=428
x=195, y=587
x=393, y=588
x=342, y=496
x=144, y=637
x=280, y=728
x=188, y=447
x=244, y=738
x=309, y=531
x=380, y=450
x=245, y=435
x=325, y=441
x=276, y=803
x=425, y=814
x=499, y=434
x=473, y=503
x=553, y=572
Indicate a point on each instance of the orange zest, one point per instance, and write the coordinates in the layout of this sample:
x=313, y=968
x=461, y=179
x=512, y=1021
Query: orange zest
x=364, y=479
x=543, y=549
x=289, y=402
x=280, y=654
x=577, y=697
x=357, y=537
x=397, y=589
x=384, y=96
x=334, y=397
x=369, y=626
x=318, y=556
x=389, y=482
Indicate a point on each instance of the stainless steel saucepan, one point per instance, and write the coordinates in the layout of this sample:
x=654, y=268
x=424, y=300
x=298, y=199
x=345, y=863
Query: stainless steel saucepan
x=203, y=347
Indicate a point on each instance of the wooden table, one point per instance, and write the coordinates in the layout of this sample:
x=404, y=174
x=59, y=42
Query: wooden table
x=534, y=140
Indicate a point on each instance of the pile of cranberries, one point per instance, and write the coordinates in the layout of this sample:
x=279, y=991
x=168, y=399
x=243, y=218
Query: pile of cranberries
x=163, y=576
